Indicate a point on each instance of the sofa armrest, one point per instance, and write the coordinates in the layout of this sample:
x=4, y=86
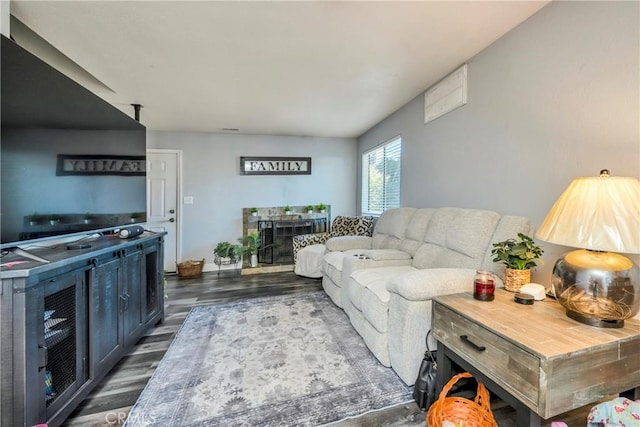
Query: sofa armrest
x=423, y=285
x=345, y=243
x=410, y=312
x=303, y=240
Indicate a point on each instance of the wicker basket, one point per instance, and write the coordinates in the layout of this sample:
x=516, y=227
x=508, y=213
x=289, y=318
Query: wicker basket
x=190, y=268
x=461, y=411
x=514, y=279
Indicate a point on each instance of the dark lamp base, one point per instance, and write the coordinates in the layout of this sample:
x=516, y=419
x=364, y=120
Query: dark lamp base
x=592, y=321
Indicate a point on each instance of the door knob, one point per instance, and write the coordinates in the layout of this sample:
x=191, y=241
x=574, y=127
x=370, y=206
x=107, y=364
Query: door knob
x=172, y=220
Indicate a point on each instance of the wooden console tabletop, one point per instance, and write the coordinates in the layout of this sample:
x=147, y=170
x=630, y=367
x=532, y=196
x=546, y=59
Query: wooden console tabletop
x=533, y=356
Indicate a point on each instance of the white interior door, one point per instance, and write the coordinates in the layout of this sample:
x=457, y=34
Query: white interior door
x=162, y=200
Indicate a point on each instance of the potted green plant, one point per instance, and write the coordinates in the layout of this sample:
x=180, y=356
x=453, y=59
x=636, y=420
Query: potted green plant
x=54, y=219
x=250, y=245
x=287, y=210
x=226, y=253
x=254, y=211
x=321, y=207
x=87, y=218
x=519, y=256
x=310, y=209
x=133, y=217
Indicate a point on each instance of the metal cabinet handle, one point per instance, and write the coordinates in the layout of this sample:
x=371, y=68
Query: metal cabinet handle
x=44, y=356
x=466, y=340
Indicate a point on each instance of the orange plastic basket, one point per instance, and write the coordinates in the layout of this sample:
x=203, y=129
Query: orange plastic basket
x=460, y=411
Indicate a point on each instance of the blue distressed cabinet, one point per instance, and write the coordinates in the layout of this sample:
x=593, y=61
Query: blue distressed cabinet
x=65, y=324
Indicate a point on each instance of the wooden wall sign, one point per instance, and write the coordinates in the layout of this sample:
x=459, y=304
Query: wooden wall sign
x=275, y=165
x=81, y=164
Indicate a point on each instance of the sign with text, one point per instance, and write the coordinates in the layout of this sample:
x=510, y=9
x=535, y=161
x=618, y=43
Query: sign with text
x=81, y=164
x=275, y=165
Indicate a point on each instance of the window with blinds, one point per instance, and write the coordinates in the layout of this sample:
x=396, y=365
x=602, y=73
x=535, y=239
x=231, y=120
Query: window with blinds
x=381, y=177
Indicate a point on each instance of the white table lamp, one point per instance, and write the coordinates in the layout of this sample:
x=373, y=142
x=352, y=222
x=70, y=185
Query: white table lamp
x=601, y=216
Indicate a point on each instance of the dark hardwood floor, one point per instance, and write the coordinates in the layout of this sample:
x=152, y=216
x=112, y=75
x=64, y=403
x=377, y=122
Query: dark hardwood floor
x=110, y=402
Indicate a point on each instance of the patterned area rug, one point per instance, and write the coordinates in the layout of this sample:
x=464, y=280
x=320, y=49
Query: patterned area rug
x=289, y=360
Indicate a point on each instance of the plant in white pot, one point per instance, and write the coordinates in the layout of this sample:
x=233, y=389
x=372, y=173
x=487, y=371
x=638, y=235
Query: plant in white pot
x=254, y=211
x=519, y=256
x=310, y=209
x=322, y=207
x=250, y=245
x=287, y=210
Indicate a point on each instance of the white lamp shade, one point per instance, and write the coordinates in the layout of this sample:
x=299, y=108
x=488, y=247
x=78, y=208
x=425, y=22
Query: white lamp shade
x=598, y=213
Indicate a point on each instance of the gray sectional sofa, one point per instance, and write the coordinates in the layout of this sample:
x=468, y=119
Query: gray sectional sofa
x=385, y=282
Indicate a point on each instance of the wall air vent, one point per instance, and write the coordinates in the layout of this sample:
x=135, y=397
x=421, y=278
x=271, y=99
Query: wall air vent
x=446, y=95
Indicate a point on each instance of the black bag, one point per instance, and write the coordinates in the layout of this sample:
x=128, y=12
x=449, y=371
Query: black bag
x=424, y=391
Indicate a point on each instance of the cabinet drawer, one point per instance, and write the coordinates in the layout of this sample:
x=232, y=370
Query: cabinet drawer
x=512, y=368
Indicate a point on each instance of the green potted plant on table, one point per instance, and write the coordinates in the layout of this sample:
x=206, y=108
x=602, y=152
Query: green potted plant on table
x=519, y=256
x=321, y=207
x=254, y=211
x=250, y=245
x=310, y=209
x=287, y=210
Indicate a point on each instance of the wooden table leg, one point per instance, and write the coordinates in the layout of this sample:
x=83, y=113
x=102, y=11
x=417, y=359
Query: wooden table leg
x=445, y=369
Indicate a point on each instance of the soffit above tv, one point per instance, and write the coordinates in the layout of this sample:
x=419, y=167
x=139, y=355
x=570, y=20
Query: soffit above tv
x=31, y=94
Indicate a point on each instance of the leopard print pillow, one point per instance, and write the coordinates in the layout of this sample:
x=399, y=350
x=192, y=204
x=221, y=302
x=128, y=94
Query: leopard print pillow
x=352, y=226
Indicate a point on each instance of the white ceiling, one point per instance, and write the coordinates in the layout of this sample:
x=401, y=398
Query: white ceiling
x=309, y=68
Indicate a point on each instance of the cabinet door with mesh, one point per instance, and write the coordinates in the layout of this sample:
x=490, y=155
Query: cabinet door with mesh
x=65, y=338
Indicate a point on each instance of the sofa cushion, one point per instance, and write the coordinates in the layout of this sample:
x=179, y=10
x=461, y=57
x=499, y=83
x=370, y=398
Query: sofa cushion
x=332, y=266
x=456, y=238
x=416, y=230
x=390, y=228
x=368, y=293
x=344, y=243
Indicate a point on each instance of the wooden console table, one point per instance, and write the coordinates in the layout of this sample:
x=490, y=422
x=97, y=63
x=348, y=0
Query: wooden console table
x=534, y=357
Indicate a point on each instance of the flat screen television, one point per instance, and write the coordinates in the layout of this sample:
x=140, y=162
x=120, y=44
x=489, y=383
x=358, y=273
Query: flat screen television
x=71, y=163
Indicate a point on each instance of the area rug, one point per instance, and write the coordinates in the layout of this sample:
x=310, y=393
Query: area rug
x=291, y=360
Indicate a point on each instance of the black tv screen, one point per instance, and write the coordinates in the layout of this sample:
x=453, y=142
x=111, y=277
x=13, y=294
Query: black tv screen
x=70, y=162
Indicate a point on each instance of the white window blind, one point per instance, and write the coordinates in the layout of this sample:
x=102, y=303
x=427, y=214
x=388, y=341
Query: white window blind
x=381, y=177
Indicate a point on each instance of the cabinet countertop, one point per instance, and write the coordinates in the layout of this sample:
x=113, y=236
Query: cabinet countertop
x=60, y=257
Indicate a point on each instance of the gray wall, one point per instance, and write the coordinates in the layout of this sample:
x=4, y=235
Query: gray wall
x=211, y=174
x=554, y=99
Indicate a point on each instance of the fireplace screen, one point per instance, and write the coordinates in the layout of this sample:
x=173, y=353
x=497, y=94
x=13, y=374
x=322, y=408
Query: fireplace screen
x=277, y=235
